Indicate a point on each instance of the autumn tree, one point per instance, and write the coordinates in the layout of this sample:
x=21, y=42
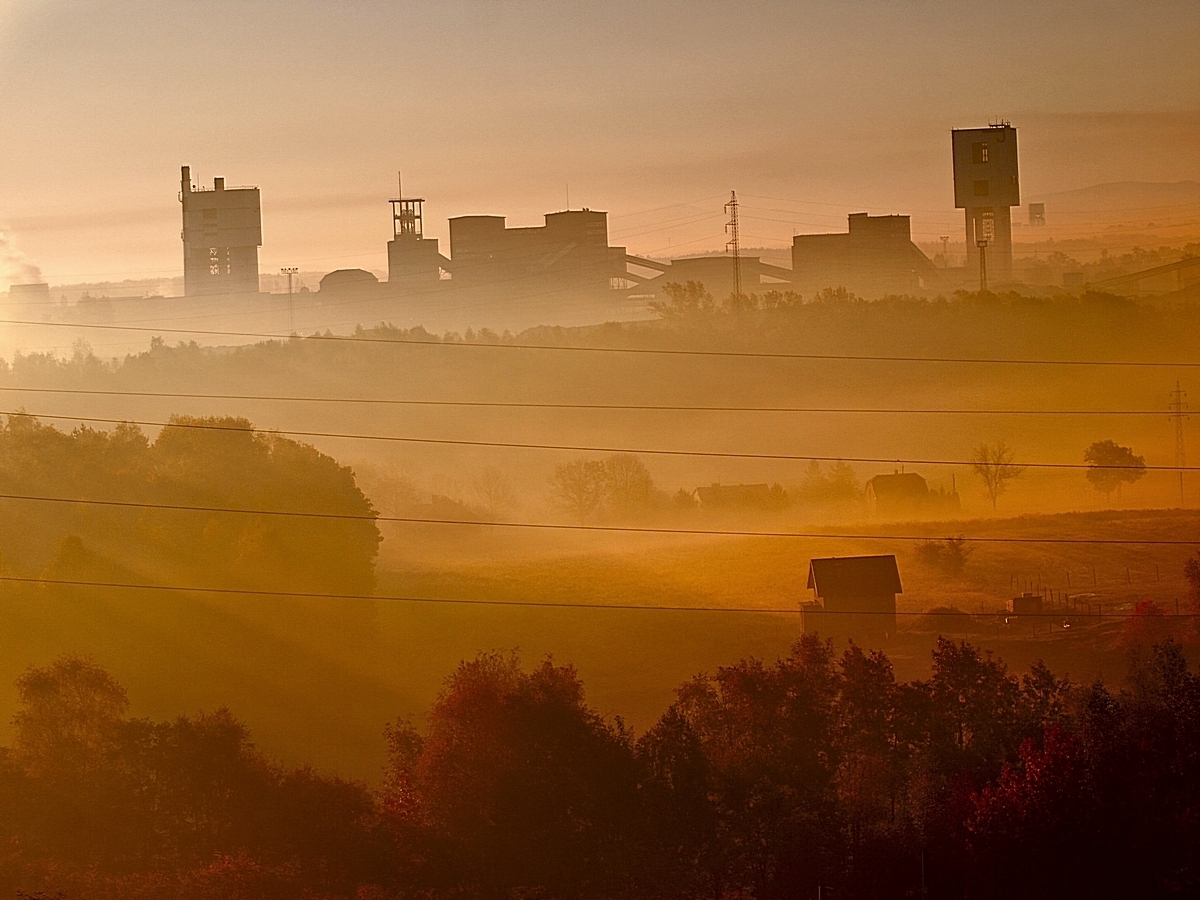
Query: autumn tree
x=1110, y=465
x=68, y=717
x=212, y=463
x=994, y=464
x=975, y=711
x=88, y=793
x=524, y=788
x=684, y=301
x=1028, y=831
x=873, y=766
x=768, y=780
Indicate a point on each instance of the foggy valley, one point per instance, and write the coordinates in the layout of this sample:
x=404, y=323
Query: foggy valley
x=727, y=459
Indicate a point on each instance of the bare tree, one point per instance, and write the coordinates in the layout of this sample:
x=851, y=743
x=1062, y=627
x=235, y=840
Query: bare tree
x=494, y=492
x=994, y=464
x=580, y=487
x=628, y=482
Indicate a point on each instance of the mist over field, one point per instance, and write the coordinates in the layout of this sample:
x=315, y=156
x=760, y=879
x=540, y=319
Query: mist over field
x=535, y=450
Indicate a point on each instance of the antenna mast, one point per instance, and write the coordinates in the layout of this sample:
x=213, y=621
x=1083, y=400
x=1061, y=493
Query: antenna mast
x=1178, y=407
x=733, y=245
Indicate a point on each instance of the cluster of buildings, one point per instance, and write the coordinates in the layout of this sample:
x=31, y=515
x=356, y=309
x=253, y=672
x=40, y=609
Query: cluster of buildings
x=570, y=254
x=854, y=597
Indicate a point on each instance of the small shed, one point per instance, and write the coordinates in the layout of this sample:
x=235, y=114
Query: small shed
x=855, y=596
x=1028, y=604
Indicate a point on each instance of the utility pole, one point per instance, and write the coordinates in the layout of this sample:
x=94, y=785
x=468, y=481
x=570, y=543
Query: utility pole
x=733, y=246
x=1178, y=407
x=945, y=239
x=289, y=271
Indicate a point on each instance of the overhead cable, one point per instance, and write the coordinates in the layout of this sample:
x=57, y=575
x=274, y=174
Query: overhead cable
x=616, y=529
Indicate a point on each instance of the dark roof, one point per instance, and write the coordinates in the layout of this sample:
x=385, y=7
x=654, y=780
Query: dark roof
x=901, y=484
x=345, y=277
x=734, y=493
x=843, y=575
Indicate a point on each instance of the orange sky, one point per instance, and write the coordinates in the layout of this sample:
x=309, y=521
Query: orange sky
x=653, y=111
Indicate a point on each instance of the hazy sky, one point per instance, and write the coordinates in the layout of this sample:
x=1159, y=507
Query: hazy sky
x=809, y=109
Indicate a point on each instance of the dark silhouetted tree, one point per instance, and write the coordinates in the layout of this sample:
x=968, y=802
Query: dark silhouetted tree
x=523, y=786
x=948, y=556
x=1110, y=465
x=684, y=301
x=995, y=466
x=579, y=487
x=628, y=485
x=68, y=718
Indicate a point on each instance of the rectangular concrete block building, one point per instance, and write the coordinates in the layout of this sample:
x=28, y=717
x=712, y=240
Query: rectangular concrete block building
x=222, y=231
x=987, y=186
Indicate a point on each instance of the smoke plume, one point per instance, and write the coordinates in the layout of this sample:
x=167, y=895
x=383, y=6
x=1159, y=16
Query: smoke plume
x=15, y=266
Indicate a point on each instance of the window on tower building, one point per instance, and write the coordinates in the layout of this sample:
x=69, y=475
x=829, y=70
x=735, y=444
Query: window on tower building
x=982, y=188
x=979, y=153
x=987, y=226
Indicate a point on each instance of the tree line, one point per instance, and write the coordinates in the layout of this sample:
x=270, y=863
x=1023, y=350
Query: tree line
x=764, y=780
x=215, y=464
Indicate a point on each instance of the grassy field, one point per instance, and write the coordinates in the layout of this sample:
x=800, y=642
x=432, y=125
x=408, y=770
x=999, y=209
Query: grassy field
x=316, y=681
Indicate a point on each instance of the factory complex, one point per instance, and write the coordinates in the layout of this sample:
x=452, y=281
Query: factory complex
x=564, y=271
x=569, y=257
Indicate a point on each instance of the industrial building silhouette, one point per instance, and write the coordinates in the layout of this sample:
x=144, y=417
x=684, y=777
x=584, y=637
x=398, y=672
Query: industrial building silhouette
x=570, y=252
x=986, y=186
x=222, y=231
x=875, y=256
x=569, y=257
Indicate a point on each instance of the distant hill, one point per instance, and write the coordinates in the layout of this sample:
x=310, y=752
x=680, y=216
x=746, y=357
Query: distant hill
x=1131, y=201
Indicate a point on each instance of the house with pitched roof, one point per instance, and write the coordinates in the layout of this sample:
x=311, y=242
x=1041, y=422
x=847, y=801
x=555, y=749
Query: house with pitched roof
x=854, y=597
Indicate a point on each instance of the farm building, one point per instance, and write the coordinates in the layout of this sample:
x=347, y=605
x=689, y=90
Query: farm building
x=855, y=596
x=908, y=494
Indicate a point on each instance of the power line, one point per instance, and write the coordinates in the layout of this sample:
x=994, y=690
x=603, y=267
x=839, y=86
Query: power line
x=1191, y=204
x=577, y=448
x=547, y=604
x=553, y=604
x=653, y=351
x=1058, y=232
x=617, y=529
x=646, y=407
